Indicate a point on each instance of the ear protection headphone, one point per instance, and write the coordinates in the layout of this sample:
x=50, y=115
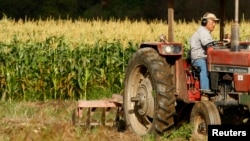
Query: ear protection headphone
x=204, y=19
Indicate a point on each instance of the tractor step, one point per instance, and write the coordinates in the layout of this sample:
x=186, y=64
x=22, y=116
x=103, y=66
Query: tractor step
x=106, y=112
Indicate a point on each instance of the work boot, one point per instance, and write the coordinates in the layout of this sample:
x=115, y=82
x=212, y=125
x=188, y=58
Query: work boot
x=208, y=91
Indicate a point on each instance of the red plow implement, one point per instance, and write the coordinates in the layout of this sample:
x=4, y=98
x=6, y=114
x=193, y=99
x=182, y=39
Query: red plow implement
x=106, y=112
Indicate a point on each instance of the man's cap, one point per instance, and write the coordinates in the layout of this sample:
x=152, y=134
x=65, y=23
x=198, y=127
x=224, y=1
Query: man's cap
x=210, y=16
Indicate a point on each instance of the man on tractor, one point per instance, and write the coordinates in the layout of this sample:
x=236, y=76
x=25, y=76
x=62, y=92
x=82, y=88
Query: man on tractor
x=199, y=42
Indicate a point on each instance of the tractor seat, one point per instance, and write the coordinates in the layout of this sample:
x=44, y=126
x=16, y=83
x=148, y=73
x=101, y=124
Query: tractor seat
x=196, y=71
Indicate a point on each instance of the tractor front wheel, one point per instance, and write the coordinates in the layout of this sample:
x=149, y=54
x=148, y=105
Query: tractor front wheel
x=203, y=113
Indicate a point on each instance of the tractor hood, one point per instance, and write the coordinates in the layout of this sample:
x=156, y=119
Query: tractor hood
x=226, y=60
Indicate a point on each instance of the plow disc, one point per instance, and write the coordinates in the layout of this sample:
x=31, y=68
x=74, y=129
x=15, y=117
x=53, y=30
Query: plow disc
x=106, y=112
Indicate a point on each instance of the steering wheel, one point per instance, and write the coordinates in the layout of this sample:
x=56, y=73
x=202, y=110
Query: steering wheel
x=213, y=43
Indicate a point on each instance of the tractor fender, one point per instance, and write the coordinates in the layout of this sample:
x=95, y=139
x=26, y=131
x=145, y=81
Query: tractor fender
x=165, y=48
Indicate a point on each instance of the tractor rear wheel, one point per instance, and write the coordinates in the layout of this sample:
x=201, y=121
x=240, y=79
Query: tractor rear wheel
x=203, y=113
x=149, y=98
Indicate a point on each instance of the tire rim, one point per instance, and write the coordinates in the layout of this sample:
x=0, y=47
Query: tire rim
x=141, y=101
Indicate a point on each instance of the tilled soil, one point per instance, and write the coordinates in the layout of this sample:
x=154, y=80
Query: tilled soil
x=51, y=121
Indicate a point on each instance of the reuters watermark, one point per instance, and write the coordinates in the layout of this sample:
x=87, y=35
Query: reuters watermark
x=241, y=132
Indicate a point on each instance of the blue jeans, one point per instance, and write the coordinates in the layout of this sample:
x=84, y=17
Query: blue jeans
x=204, y=81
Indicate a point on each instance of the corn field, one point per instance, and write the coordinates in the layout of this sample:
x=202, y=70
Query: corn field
x=64, y=59
x=39, y=71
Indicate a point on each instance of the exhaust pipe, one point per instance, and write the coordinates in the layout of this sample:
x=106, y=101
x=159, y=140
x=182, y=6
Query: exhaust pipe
x=235, y=35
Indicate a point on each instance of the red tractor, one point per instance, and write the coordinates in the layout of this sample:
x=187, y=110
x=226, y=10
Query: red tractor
x=161, y=85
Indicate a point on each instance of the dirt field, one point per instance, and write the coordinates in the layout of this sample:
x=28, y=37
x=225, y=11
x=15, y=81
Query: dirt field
x=51, y=121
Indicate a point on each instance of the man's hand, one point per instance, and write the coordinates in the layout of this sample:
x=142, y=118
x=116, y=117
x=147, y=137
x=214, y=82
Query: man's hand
x=226, y=41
